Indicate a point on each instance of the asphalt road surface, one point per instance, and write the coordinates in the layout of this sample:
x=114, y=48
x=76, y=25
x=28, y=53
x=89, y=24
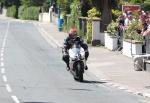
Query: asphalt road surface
x=31, y=71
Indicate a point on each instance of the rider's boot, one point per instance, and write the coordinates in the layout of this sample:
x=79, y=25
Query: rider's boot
x=68, y=67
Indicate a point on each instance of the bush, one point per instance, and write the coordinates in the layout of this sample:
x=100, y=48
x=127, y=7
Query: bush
x=131, y=31
x=93, y=13
x=12, y=12
x=112, y=28
x=115, y=14
x=46, y=5
x=21, y=11
x=74, y=14
x=146, y=6
x=29, y=13
x=72, y=20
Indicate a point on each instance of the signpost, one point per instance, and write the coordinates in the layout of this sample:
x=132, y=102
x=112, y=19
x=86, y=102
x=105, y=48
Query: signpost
x=130, y=8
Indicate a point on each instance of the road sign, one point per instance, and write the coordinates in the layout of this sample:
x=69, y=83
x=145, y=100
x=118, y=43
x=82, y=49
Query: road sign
x=130, y=7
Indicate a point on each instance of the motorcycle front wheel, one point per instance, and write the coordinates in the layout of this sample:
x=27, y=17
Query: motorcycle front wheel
x=80, y=71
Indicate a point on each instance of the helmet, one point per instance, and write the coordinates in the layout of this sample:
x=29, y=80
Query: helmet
x=73, y=33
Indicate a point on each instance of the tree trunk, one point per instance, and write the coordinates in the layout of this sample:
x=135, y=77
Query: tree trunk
x=106, y=14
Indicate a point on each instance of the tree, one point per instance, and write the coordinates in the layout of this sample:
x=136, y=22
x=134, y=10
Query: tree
x=65, y=5
x=32, y=2
x=9, y=3
x=86, y=5
x=46, y=5
x=136, y=1
x=105, y=7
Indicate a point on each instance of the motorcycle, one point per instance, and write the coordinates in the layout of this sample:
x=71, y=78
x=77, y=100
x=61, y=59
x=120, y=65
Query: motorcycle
x=77, y=61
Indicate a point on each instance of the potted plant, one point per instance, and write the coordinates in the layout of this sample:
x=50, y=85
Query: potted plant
x=111, y=36
x=133, y=41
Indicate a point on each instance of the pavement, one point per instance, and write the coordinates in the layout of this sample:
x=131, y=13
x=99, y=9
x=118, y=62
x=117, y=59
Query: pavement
x=109, y=66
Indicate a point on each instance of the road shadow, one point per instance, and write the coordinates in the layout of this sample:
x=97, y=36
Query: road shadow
x=37, y=102
x=93, y=82
x=147, y=87
x=80, y=89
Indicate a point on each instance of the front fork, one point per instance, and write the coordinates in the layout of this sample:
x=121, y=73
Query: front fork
x=71, y=63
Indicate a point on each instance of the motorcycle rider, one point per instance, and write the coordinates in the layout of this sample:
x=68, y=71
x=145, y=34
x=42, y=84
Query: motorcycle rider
x=69, y=42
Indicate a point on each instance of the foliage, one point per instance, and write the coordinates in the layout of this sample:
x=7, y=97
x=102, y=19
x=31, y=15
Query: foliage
x=46, y=5
x=89, y=31
x=9, y=3
x=32, y=2
x=91, y=14
x=21, y=11
x=2, y=1
x=65, y=24
x=112, y=28
x=72, y=20
x=115, y=14
x=123, y=2
x=131, y=31
x=146, y=6
x=11, y=11
x=86, y=5
x=29, y=13
x=136, y=1
x=75, y=8
x=136, y=14
x=65, y=5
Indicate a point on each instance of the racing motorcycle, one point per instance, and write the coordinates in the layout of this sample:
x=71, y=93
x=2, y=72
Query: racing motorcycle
x=77, y=61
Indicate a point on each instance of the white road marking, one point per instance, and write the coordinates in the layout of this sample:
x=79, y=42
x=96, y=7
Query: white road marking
x=4, y=78
x=2, y=70
x=2, y=64
x=2, y=54
x=8, y=88
x=48, y=38
x=15, y=99
x=2, y=58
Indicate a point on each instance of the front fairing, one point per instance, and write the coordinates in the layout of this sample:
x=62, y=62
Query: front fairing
x=76, y=53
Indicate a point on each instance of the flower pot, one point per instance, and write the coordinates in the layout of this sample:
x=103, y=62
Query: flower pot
x=110, y=41
x=131, y=48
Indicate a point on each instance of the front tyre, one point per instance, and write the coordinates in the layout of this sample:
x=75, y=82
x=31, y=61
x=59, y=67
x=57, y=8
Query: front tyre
x=80, y=68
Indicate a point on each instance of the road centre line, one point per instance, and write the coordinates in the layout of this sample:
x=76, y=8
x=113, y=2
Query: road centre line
x=8, y=88
x=2, y=58
x=2, y=64
x=2, y=54
x=4, y=78
x=15, y=99
x=3, y=70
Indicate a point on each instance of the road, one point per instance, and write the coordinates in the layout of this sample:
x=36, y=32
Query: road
x=31, y=71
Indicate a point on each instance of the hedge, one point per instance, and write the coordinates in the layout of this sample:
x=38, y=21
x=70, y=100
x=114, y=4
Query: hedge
x=12, y=12
x=29, y=13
